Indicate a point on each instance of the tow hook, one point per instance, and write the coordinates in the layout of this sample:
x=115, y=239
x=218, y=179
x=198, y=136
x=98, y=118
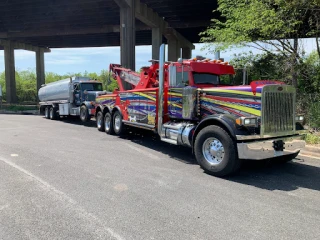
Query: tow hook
x=278, y=145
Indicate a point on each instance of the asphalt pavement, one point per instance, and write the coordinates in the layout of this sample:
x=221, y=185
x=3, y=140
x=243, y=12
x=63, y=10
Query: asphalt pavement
x=65, y=180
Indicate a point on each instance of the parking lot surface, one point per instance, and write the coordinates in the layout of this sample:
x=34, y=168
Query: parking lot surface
x=65, y=180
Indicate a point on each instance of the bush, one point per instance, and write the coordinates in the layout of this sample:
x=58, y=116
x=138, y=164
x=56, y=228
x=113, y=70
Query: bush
x=26, y=82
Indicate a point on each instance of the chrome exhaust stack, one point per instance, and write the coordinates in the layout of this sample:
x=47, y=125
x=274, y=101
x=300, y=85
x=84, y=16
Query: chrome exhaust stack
x=161, y=88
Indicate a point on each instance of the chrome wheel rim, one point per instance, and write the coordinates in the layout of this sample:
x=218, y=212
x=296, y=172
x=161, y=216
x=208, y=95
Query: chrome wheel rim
x=99, y=121
x=107, y=122
x=117, y=122
x=46, y=112
x=213, y=151
x=82, y=114
x=51, y=113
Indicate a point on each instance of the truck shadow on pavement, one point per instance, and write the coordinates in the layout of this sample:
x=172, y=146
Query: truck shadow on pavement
x=151, y=140
x=265, y=175
x=275, y=176
x=269, y=176
x=76, y=121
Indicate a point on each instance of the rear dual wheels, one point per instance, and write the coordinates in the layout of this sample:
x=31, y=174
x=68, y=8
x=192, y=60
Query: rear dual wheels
x=216, y=151
x=118, y=126
x=110, y=123
x=47, y=112
x=53, y=115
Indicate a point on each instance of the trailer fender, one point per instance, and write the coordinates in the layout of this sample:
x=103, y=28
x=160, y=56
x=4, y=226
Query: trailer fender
x=227, y=122
x=117, y=108
x=103, y=109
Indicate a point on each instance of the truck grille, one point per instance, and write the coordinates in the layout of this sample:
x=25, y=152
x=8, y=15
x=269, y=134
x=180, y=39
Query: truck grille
x=278, y=114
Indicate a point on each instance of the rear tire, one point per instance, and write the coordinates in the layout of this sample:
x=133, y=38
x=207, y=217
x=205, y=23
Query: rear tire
x=118, y=127
x=47, y=112
x=108, y=124
x=100, y=121
x=216, y=152
x=53, y=113
x=84, y=114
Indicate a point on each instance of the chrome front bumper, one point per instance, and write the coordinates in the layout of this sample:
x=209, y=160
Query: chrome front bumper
x=263, y=149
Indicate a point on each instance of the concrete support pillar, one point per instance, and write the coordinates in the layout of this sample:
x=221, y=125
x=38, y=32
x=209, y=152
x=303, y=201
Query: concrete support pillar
x=156, y=42
x=186, y=53
x=10, y=73
x=128, y=35
x=217, y=55
x=40, y=68
x=173, y=50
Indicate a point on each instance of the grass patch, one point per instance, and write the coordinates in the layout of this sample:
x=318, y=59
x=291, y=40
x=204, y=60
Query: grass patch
x=312, y=138
x=16, y=108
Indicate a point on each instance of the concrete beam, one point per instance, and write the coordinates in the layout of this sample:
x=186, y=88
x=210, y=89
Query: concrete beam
x=40, y=68
x=128, y=36
x=66, y=32
x=171, y=33
x=123, y=3
x=156, y=42
x=152, y=19
x=147, y=15
x=186, y=53
x=23, y=46
x=11, y=96
x=174, y=50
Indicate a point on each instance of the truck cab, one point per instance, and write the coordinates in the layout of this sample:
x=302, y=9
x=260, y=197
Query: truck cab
x=74, y=96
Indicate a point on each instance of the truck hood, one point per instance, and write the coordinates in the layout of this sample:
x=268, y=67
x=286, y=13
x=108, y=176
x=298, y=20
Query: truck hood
x=238, y=101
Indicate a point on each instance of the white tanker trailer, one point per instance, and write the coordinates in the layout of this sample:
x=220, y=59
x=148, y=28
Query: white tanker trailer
x=74, y=96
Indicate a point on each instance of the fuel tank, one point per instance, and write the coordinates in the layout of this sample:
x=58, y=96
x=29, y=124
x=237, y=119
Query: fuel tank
x=59, y=90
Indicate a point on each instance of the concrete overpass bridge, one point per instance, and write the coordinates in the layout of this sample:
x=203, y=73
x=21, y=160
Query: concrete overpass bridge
x=38, y=25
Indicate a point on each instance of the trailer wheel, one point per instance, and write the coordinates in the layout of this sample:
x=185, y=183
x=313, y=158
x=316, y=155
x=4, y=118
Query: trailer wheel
x=84, y=114
x=100, y=121
x=108, y=124
x=46, y=113
x=117, y=123
x=216, y=152
x=53, y=114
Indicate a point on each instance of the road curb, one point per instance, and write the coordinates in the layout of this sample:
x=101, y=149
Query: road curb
x=311, y=151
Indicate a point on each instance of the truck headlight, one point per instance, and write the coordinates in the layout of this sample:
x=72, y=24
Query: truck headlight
x=299, y=118
x=247, y=121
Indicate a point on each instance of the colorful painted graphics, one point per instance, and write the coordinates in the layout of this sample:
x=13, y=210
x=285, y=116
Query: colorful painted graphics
x=141, y=105
x=238, y=101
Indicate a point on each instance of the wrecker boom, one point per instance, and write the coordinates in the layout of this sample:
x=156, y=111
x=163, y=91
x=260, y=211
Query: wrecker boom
x=147, y=78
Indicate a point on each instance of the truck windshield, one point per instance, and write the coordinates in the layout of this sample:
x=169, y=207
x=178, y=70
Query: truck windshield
x=205, y=78
x=91, y=86
x=209, y=78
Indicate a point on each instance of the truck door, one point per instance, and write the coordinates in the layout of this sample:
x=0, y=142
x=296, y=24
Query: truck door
x=77, y=94
x=178, y=79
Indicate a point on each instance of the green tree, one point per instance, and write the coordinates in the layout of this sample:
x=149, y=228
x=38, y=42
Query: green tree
x=273, y=26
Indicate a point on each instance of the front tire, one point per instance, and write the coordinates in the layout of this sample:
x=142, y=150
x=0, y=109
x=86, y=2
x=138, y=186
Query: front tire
x=84, y=114
x=216, y=152
x=100, y=121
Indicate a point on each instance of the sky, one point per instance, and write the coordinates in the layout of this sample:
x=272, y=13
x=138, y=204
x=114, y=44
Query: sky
x=75, y=60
